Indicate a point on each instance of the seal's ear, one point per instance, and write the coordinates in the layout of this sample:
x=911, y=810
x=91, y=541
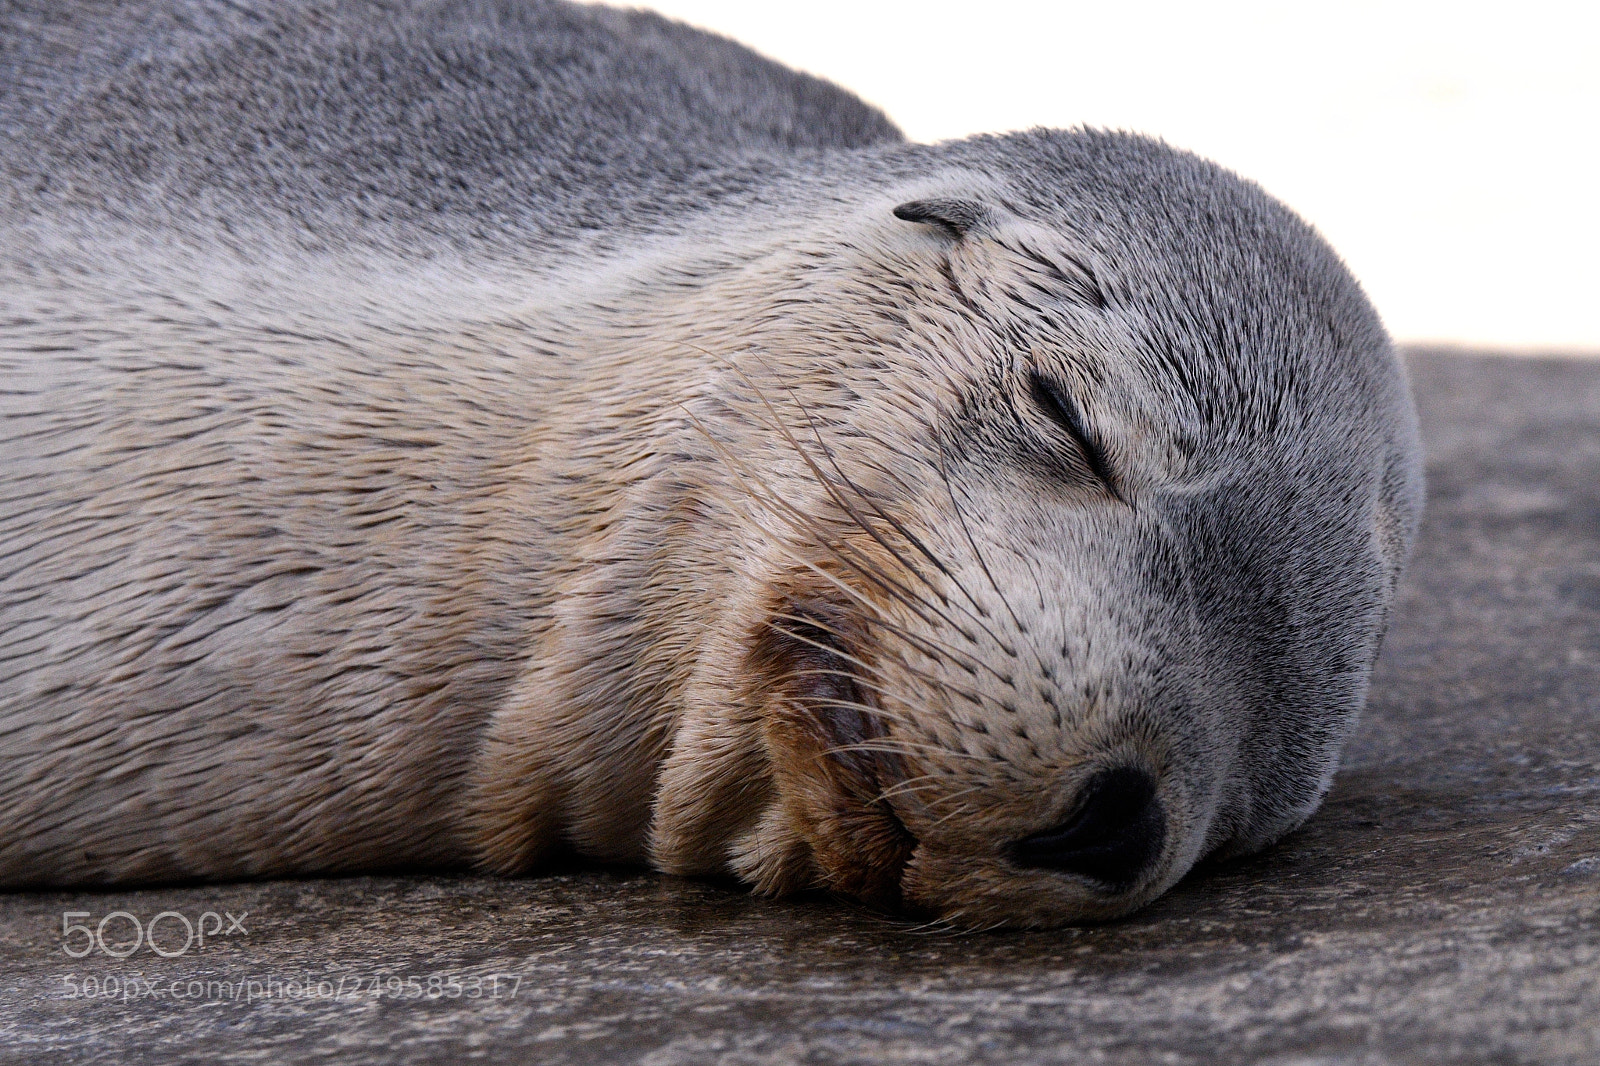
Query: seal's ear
x=956, y=217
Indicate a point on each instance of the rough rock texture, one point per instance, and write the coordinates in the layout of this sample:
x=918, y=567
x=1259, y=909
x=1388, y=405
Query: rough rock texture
x=1444, y=907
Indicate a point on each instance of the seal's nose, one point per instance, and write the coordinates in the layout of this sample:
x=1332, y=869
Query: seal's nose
x=1115, y=834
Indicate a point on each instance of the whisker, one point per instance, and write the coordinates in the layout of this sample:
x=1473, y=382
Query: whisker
x=965, y=808
x=972, y=542
x=874, y=574
x=970, y=695
x=929, y=646
x=819, y=645
x=867, y=570
x=831, y=488
x=871, y=501
x=919, y=783
x=916, y=541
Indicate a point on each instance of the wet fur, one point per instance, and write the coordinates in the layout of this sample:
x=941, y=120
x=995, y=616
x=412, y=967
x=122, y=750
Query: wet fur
x=499, y=430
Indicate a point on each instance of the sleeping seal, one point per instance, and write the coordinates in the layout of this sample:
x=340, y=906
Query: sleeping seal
x=504, y=428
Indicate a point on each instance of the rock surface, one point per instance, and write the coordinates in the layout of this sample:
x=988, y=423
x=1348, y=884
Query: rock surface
x=1443, y=907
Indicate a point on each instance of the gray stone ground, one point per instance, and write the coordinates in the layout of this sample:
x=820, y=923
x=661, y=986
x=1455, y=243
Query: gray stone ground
x=1444, y=907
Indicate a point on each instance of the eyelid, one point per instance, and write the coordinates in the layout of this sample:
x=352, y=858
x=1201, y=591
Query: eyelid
x=1058, y=403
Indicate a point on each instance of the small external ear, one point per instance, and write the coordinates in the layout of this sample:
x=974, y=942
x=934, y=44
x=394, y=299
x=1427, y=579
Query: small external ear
x=956, y=217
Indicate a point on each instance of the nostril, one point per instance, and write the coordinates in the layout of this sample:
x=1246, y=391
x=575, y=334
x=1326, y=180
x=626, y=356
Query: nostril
x=1115, y=834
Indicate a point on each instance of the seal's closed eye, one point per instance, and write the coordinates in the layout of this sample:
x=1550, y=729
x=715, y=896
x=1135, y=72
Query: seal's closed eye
x=1054, y=399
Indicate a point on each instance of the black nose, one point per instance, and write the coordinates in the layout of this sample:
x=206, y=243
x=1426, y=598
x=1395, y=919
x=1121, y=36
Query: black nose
x=1117, y=831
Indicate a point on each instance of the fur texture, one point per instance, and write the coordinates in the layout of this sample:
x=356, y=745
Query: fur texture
x=473, y=431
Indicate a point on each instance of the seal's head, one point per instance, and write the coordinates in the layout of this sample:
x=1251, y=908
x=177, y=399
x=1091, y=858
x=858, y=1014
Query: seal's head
x=1087, y=478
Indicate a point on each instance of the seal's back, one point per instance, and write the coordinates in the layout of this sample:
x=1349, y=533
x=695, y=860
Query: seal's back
x=455, y=121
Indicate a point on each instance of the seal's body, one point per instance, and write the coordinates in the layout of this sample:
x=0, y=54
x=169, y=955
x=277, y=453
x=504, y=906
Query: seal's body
x=514, y=427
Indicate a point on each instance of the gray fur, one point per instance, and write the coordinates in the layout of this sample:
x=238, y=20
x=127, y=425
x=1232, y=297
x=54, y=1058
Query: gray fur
x=229, y=234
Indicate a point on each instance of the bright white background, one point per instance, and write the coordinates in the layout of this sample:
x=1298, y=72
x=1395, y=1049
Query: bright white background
x=1450, y=151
